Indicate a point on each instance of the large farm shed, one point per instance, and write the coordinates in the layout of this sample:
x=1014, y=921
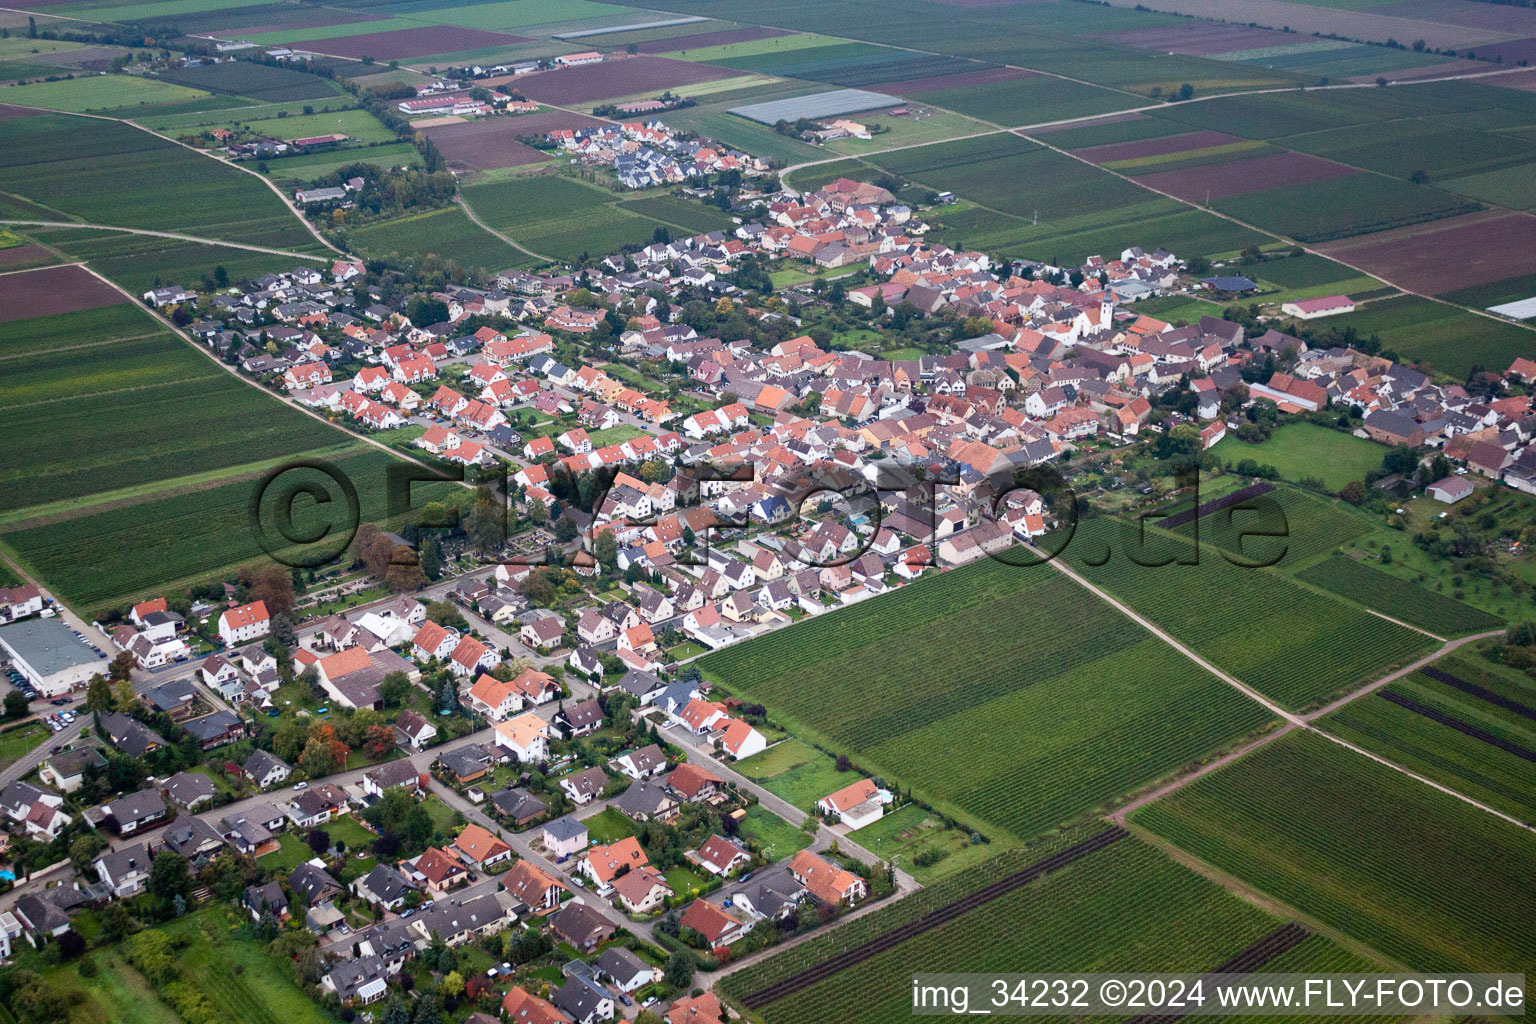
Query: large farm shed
x=820, y=104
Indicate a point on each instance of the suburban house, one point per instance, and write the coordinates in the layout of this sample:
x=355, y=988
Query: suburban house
x=525, y=736
x=856, y=805
x=719, y=928
x=244, y=623
x=826, y=881
x=477, y=846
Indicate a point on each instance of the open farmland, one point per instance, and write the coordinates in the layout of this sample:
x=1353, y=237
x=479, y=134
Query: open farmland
x=55, y=290
x=140, y=262
x=1337, y=207
x=105, y=555
x=1239, y=177
x=447, y=232
x=1231, y=615
x=1414, y=873
x=618, y=77
x=493, y=141
x=258, y=81
x=1088, y=902
x=868, y=689
x=105, y=172
x=95, y=401
x=1163, y=145
x=1036, y=99
x=562, y=217
x=954, y=80
x=1447, y=255
x=1311, y=526
x=1451, y=339
x=120, y=95
x=1397, y=597
x=699, y=40
x=1449, y=724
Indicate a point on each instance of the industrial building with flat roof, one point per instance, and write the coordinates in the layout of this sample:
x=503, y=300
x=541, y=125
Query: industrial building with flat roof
x=49, y=654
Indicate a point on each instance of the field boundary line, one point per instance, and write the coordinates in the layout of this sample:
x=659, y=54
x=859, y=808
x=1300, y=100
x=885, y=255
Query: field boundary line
x=286, y=400
x=1405, y=625
x=163, y=234
x=314, y=231
x=469, y=211
x=1212, y=211
x=1302, y=721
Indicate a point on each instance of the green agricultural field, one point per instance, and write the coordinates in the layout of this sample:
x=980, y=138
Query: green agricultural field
x=303, y=169
x=749, y=136
x=901, y=836
x=1304, y=271
x=1311, y=526
x=1015, y=176
x=105, y=555
x=1401, y=147
x=756, y=47
x=258, y=81
x=97, y=400
x=1397, y=597
x=1048, y=726
x=105, y=172
x=1028, y=101
x=1451, y=340
x=1479, y=743
x=357, y=125
x=1230, y=615
x=690, y=215
x=119, y=94
x=216, y=958
x=1104, y=133
x=1299, y=451
x=141, y=262
x=921, y=128
x=1421, y=876
x=446, y=232
x=1514, y=187
x=1177, y=309
x=1319, y=211
x=1125, y=907
x=563, y=218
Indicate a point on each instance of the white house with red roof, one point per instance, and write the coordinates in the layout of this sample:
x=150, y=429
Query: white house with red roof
x=244, y=623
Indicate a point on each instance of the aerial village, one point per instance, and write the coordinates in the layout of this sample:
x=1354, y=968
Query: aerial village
x=509, y=771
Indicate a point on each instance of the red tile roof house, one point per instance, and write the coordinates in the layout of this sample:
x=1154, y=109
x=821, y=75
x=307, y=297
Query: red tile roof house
x=641, y=890
x=603, y=864
x=692, y=783
x=826, y=881
x=478, y=846
x=532, y=886
x=720, y=856
x=441, y=869
x=247, y=622
x=717, y=927
x=856, y=805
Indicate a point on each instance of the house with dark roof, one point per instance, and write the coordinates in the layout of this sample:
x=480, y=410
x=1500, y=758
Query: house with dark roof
x=216, y=729
x=518, y=806
x=581, y=926
x=313, y=884
x=136, y=810
x=385, y=887
x=128, y=734
x=583, y=1000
